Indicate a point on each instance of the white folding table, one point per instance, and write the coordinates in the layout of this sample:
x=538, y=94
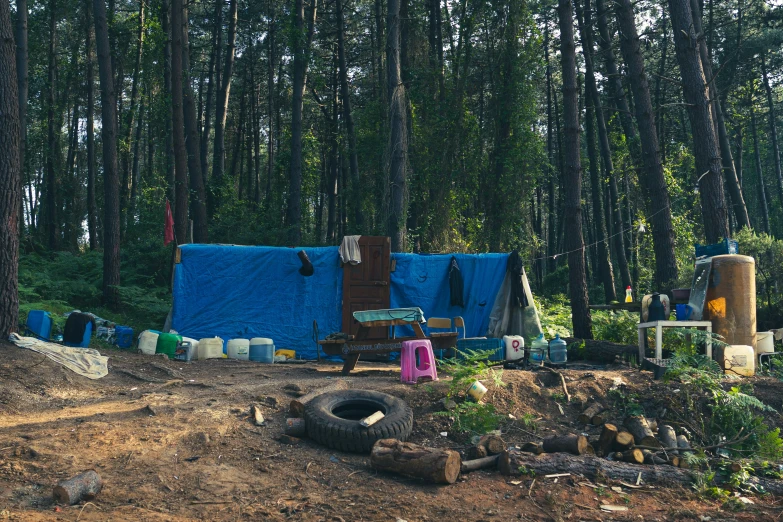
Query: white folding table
x=660, y=325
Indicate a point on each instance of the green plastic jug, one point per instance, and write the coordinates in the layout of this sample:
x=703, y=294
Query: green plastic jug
x=167, y=343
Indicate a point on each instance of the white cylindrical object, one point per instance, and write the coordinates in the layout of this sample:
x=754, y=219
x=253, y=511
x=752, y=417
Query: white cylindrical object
x=515, y=347
x=477, y=390
x=765, y=342
x=148, y=341
x=238, y=349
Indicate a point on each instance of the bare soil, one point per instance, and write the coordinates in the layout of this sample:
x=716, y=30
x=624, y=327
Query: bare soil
x=175, y=443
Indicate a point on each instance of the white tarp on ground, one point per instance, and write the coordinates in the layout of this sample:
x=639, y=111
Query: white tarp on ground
x=84, y=361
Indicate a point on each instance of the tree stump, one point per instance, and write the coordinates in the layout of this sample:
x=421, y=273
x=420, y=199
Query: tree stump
x=493, y=444
x=84, y=486
x=668, y=438
x=576, y=444
x=633, y=456
x=623, y=441
x=586, y=417
x=441, y=466
x=640, y=429
x=606, y=440
x=476, y=452
x=297, y=406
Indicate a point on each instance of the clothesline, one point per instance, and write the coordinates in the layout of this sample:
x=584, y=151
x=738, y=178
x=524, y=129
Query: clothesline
x=555, y=256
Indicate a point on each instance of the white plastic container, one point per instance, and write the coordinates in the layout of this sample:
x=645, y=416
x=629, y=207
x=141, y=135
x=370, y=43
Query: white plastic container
x=738, y=359
x=148, y=340
x=477, y=390
x=210, y=348
x=262, y=350
x=238, y=349
x=515, y=347
x=765, y=342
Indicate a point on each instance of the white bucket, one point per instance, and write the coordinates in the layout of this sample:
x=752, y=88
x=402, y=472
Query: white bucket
x=738, y=359
x=210, y=348
x=515, y=347
x=148, y=340
x=238, y=349
x=765, y=342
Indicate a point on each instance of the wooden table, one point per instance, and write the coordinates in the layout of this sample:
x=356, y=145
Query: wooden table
x=353, y=348
x=660, y=325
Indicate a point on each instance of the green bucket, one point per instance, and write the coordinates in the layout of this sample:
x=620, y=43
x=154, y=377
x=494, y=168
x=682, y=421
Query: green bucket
x=167, y=343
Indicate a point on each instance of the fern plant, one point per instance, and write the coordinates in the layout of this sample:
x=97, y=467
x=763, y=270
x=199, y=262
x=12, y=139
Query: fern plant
x=471, y=366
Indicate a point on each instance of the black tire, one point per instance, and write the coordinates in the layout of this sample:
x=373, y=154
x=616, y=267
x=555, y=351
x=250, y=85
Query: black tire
x=332, y=419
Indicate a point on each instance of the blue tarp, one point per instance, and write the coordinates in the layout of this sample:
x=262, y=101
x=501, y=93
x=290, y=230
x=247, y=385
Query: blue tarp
x=243, y=292
x=423, y=280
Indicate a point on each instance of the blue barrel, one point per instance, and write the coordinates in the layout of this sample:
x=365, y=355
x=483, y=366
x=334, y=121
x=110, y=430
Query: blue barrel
x=123, y=336
x=39, y=322
x=262, y=350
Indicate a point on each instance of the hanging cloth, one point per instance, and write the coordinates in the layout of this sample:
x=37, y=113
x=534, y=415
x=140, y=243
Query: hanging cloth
x=516, y=270
x=456, y=284
x=350, y=253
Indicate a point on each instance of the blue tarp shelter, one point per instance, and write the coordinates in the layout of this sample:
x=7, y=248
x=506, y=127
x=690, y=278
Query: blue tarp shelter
x=248, y=291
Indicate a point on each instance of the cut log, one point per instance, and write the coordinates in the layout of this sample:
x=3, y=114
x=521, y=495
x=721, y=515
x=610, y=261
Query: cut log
x=493, y=444
x=640, y=429
x=589, y=450
x=84, y=486
x=288, y=439
x=594, y=350
x=258, y=417
x=668, y=438
x=371, y=419
x=586, y=417
x=652, y=458
x=599, y=419
x=623, y=441
x=653, y=424
x=576, y=444
x=532, y=447
x=606, y=440
x=597, y=468
x=295, y=427
x=297, y=405
x=476, y=452
x=633, y=455
x=441, y=466
x=684, y=449
x=483, y=463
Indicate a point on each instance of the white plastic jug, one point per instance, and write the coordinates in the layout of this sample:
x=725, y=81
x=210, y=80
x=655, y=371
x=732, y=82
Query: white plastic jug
x=148, y=340
x=765, y=342
x=738, y=359
x=238, y=349
x=210, y=348
x=515, y=347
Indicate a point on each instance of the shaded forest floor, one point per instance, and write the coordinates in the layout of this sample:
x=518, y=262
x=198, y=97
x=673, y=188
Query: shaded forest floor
x=178, y=445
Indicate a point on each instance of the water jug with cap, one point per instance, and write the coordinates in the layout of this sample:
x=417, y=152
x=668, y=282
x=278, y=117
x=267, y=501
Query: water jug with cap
x=238, y=349
x=262, y=350
x=538, y=350
x=558, y=351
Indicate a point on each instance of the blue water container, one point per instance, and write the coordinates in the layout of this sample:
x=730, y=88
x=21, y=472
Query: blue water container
x=123, y=336
x=558, y=351
x=85, y=340
x=39, y=323
x=262, y=350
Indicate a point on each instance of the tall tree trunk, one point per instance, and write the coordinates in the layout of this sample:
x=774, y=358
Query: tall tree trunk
x=169, y=163
x=271, y=99
x=257, y=141
x=178, y=127
x=136, y=168
x=53, y=159
x=70, y=187
x=652, y=177
x=660, y=89
x=398, y=141
x=219, y=159
x=10, y=177
x=358, y=220
x=572, y=177
x=129, y=122
x=198, y=202
x=773, y=131
x=759, y=173
x=705, y=143
x=301, y=49
x=92, y=211
x=603, y=139
x=111, y=180
x=210, y=91
x=551, y=233
x=21, y=69
x=729, y=169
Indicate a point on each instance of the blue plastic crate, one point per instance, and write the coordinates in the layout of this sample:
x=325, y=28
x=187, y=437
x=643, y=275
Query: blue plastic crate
x=477, y=345
x=727, y=246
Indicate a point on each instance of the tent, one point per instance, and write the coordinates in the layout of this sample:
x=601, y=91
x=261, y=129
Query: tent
x=254, y=291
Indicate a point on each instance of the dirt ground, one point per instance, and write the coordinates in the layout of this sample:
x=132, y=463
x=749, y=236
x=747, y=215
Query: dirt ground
x=183, y=448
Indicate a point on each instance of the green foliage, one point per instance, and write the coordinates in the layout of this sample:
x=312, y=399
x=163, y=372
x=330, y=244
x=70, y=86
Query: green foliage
x=471, y=366
x=524, y=470
x=530, y=421
x=473, y=417
x=626, y=403
x=618, y=327
x=555, y=314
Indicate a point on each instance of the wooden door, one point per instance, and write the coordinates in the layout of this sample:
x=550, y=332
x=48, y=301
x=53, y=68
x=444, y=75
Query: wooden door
x=366, y=285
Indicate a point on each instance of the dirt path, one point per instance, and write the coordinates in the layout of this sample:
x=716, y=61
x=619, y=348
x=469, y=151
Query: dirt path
x=182, y=448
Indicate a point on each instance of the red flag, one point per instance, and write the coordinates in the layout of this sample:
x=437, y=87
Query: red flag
x=168, y=231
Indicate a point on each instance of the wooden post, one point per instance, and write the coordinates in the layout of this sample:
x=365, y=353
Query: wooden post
x=605, y=441
x=640, y=429
x=441, y=466
x=576, y=444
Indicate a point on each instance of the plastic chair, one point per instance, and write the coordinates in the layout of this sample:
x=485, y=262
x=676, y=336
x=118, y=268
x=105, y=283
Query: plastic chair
x=410, y=370
x=459, y=322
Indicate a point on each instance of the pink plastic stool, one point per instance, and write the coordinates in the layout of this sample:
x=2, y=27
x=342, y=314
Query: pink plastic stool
x=409, y=370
